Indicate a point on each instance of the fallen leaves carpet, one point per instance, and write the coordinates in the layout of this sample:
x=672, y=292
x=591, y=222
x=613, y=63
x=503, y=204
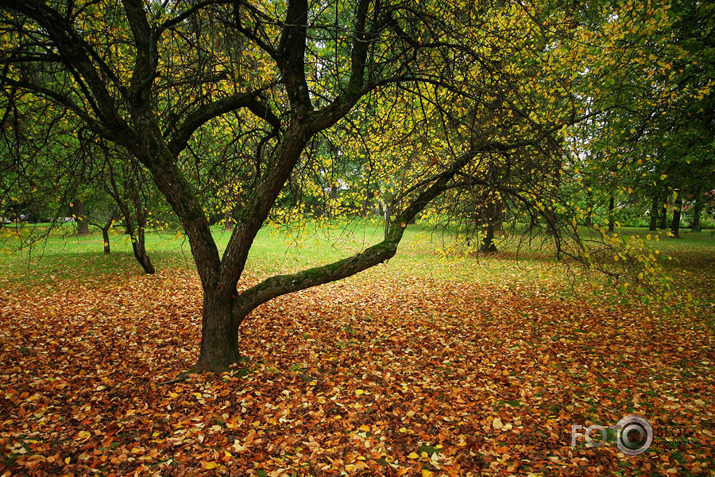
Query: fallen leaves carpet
x=382, y=374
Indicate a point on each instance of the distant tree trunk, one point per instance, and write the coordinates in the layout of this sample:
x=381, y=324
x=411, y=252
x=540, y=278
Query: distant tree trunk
x=104, y=227
x=675, y=225
x=488, y=245
x=697, y=212
x=533, y=222
x=80, y=217
x=228, y=221
x=663, y=217
x=139, y=248
x=589, y=212
x=654, y=209
x=488, y=221
x=105, y=238
x=138, y=242
x=131, y=194
x=611, y=214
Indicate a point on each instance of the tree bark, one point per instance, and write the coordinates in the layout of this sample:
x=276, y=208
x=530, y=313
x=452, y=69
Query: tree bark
x=675, y=225
x=219, y=332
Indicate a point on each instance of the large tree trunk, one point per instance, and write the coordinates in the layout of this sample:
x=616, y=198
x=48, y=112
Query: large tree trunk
x=219, y=333
x=654, y=210
x=675, y=225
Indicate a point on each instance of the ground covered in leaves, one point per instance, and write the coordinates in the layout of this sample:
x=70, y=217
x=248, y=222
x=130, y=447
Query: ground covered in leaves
x=382, y=374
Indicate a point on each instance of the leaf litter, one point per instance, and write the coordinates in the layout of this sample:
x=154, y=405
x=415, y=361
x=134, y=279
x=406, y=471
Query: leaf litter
x=381, y=374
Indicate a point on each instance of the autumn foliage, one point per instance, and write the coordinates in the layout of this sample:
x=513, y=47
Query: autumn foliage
x=386, y=373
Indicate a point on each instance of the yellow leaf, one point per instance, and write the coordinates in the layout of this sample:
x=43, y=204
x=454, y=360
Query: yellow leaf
x=497, y=424
x=211, y=465
x=67, y=460
x=365, y=428
x=413, y=455
x=426, y=473
x=358, y=392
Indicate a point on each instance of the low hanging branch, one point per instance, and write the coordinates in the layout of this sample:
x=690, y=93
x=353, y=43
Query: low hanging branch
x=374, y=255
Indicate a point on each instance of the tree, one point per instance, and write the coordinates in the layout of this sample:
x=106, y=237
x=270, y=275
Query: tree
x=126, y=184
x=157, y=78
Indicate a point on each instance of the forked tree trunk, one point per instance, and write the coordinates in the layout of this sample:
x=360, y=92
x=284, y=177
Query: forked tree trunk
x=223, y=311
x=139, y=248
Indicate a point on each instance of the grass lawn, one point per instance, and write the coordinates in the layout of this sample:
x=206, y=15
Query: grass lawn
x=436, y=363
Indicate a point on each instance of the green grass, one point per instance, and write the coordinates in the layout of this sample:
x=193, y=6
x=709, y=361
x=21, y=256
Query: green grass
x=430, y=253
x=31, y=255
